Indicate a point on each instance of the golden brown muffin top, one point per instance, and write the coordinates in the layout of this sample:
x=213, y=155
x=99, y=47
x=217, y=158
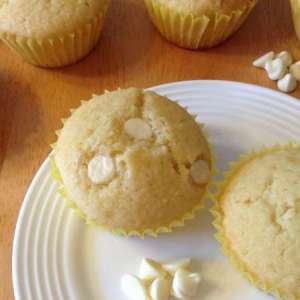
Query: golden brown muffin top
x=45, y=18
x=149, y=147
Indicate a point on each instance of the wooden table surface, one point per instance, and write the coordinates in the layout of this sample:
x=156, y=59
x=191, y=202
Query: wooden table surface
x=130, y=53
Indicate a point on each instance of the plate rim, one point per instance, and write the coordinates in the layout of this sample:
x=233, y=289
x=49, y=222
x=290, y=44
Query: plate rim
x=228, y=83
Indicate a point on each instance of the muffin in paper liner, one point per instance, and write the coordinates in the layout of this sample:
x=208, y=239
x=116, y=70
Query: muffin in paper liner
x=193, y=31
x=58, y=50
x=179, y=222
x=217, y=212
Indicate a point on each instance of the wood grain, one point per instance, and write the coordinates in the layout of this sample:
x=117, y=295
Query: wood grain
x=130, y=53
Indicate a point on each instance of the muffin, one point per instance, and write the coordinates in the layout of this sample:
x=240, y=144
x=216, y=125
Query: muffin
x=133, y=162
x=258, y=219
x=52, y=33
x=197, y=24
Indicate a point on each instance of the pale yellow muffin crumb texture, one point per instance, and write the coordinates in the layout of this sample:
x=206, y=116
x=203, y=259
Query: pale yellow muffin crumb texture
x=260, y=213
x=44, y=18
x=151, y=185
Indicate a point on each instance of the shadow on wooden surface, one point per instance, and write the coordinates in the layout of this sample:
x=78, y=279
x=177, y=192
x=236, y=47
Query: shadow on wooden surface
x=118, y=42
x=275, y=25
x=20, y=109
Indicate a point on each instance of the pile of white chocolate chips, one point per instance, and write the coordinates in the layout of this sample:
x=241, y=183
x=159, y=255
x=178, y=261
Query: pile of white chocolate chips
x=281, y=68
x=160, y=281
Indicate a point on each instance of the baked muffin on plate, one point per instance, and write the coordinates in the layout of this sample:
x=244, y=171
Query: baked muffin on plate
x=52, y=33
x=133, y=162
x=258, y=219
x=197, y=24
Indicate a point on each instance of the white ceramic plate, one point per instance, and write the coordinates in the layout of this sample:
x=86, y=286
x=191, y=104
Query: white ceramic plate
x=56, y=256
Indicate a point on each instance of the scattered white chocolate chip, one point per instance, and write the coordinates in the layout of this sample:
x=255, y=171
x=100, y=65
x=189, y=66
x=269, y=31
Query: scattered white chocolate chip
x=200, y=172
x=261, y=61
x=160, y=289
x=138, y=129
x=276, y=69
x=185, y=284
x=150, y=269
x=101, y=169
x=286, y=58
x=281, y=69
x=295, y=70
x=287, y=84
x=133, y=288
x=174, y=265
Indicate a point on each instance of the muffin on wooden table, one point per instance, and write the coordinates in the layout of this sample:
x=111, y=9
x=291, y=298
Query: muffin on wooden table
x=258, y=219
x=52, y=33
x=197, y=24
x=133, y=162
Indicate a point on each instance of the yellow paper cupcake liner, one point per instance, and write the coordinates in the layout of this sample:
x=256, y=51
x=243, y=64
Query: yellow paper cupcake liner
x=217, y=213
x=295, y=6
x=180, y=222
x=58, y=51
x=196, y=32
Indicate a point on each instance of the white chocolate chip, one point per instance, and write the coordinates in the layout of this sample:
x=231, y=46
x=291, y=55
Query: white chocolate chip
x=133, y=288
x=200, y=172
x=295, y=70
x=138, y=129
x=185, y=284
x=261, y=61
x=174, y=265
x=286, y=58
x=276, y=69
x=287, y=84
x=101, y=169
x=149, y=270
x=160, y=289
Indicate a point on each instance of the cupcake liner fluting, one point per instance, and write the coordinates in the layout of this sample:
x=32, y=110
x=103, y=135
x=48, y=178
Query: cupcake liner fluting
x=61, y=50
x=196, y=32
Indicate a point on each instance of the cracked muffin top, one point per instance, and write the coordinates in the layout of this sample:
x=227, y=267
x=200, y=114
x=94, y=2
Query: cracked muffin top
x=44, y=18
x=133, y=160
x=261, y=218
